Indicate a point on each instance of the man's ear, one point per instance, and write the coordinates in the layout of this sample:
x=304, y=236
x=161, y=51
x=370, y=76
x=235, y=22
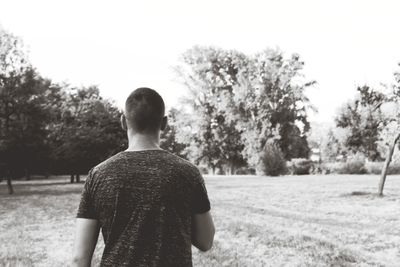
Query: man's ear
x=164, y=123
x=123, y=123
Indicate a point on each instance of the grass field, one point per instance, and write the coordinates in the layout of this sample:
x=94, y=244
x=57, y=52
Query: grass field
x=260, y=221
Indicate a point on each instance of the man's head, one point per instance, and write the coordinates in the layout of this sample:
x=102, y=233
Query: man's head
x=144, y=112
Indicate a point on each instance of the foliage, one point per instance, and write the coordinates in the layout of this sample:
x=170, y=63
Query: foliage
x=391, y=111
x=237, y=103
x=386, y=136
x=370, y=167
x=13, y=57
x=273, y=160
x=271, y=105
x=168, y=138
x=363, y=118
x=300, y=166
x=376, y=168
x=87, y=132
x=23, y=110
x=354, y=165
x=333, y=145
x=50, y=127
x=390, y=130
x=205, y=124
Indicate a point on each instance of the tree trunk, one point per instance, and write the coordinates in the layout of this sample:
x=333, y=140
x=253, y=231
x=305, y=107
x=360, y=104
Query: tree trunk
x=211, y=170
x=9, y=185
x=27, y=175
x=78, y=178
x=230, y=169
x=72, y=178
x=386, y=165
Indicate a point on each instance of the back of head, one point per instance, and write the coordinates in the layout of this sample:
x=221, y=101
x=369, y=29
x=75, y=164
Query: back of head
x=144, y=110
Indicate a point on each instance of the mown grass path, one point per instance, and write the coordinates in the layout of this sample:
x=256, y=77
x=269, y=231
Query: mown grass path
x=334, y=220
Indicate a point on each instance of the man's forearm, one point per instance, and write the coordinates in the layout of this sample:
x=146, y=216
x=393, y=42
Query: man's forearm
x=87, y=232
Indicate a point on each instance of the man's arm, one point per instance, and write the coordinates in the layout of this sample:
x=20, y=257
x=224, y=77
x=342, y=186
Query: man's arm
x=203, y=231
x=87, y=232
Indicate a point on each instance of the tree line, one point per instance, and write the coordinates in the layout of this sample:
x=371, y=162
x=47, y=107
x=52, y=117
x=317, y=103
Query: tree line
x=241, y=114
x=249, y=113
x=49, y=128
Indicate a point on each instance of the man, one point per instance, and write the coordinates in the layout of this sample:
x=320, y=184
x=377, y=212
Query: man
x=149, y=204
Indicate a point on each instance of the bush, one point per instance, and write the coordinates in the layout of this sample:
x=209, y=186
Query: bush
x=394, y=169
x=300, y=166
x=245, y=171
x=354, y=165
x=273, y=161
x=332, y=167
x=376, y=167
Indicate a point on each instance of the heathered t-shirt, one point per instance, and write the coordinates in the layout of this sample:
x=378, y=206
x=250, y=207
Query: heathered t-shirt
x=144, y=201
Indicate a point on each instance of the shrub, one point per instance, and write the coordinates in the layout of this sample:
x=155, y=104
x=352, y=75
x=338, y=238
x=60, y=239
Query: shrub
x=332, y=167
x=354, y=165
x=394, y=169
x=376, y=167
x=245, y=171
x=273, y=161
x=300, y=166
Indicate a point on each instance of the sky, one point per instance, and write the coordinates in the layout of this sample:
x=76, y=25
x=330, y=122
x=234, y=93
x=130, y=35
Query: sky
x=121, y=45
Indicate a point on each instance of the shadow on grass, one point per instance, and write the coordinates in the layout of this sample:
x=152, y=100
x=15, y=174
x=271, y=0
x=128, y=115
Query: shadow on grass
x=361, y=194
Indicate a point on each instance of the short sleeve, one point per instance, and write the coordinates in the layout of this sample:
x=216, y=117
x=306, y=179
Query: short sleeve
x=200, y=201
x=86, y=207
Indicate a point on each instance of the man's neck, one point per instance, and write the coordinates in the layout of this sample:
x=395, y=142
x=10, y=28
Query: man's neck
x=138, y=142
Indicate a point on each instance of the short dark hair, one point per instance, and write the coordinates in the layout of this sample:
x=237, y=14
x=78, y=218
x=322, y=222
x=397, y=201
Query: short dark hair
x=144, y=110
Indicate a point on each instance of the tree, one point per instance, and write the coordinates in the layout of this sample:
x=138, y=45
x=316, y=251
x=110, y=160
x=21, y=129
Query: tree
x=209, y=131
x=271, y=105
x=22, y=116
x=386, y=165
x=391, y=110
x=49, y=127
x=25, y=120
x=88, y=132
x=363, y=118
x=237, y=103
x=333, y=145
x=273, y=159
x=168, y=139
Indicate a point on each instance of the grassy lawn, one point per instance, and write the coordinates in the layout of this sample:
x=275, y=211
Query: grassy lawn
x=261, y=221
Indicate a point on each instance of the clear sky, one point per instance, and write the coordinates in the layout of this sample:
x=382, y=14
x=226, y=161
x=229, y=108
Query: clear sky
x=121, y=45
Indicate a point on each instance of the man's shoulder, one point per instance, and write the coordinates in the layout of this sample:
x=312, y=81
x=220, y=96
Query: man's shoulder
x=183, y=164
x=119, y=158
x=111, y=162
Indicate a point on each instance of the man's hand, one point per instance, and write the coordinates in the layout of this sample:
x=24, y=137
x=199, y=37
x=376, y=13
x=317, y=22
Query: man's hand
x=87, y=232
x=203, y=231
